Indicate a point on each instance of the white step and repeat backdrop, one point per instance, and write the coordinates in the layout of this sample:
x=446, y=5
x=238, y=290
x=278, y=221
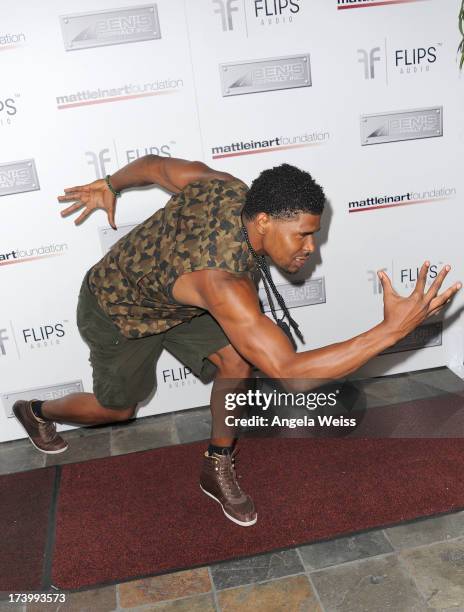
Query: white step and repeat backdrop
x=364, y=94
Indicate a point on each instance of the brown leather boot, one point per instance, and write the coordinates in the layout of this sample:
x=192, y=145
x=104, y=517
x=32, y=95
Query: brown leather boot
x=41, y=433
x=219, y=481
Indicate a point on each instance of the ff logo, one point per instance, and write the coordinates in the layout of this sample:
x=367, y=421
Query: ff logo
x=225, y=9
x=99, y=161
x=375, y=280
x=369, y=59
x=3, y=338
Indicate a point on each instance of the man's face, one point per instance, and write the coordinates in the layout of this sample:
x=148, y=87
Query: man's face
x=289, y=242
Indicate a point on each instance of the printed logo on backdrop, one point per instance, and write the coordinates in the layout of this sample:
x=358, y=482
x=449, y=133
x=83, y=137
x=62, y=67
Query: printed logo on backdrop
x=404, y=277
x=403, y=62
x=105, y=161
x=8, y=109
x=275, y=12
x=18, y=177
x=368, y=60
x=265, y=75
x=109, y=236
x=226, y=9
x=350, y=4
x=4, y=339
x=176, y=378
x=50, y=392
x=424, y=336
x=402, y=125
x=438, y=194
x=110, y=27
x=131, y=91
x=309, y=293
x=263, y=13
x=278, y=143
x=25, y=255
x=46, y=335
x=10, y=41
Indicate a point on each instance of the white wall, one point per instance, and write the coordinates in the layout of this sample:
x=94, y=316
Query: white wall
x=55, y=57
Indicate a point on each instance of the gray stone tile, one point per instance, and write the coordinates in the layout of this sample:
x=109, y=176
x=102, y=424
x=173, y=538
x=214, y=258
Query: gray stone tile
x=372, y=585
x=83, y=448
x=334, y=552
x=439, y=381
x=82, y=431
x=193, y=425
x=389, y=390
x=143, y=434
x=293, y=594
x=438, y=571
x=426, y=531
x=256, y=569
x=101, y=600
x=19, y=456
x=6, y=606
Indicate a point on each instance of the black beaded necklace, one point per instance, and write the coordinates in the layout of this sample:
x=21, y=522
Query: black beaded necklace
x=268, y=282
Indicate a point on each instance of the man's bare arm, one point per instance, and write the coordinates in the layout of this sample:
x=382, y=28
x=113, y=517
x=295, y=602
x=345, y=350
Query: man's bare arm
x=234, y=304
x=169, y=173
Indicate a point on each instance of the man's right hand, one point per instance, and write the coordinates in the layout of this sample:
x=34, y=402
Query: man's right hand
x=403, y=314
x=92, y=196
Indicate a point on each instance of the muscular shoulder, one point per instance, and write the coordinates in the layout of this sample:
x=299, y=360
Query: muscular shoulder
x=210, y=289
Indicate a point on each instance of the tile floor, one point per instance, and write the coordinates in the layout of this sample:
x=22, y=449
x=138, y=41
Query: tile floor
x=412, y=567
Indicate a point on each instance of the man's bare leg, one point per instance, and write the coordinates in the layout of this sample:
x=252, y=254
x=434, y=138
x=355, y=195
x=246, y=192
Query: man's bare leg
x=38, y=420
x=83, y=409
x=218, y=478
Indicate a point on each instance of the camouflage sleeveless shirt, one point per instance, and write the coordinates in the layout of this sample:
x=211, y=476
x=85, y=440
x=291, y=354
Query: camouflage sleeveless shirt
x=198, y=229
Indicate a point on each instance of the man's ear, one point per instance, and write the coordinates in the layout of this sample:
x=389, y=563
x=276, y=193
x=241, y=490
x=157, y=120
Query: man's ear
x=262, y=221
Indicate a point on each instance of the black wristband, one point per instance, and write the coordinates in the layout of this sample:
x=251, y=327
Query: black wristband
x=111, y=188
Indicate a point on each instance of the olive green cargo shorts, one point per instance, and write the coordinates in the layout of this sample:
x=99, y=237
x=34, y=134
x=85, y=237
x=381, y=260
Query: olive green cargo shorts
x=124, y=370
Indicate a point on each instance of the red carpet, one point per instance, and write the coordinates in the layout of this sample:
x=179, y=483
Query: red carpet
x=25, y=502
x=129, y=516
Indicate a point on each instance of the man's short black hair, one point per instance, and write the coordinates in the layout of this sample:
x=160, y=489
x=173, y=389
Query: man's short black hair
x=283, y=192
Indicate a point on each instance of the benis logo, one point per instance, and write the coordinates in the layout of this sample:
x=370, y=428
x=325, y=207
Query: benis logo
x=117, y=94
x=17, y=256
x=179, y=377
x=349, y=4
x=41, y=393
x=404, y=199
x=110, y=27
x=307, y=294
x=18, y=177
x=404, y=125
x=265, y=75
x=279, y=143
x=424, y=336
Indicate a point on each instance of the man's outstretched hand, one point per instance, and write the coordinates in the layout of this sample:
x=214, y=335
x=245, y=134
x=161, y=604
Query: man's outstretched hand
x=92, y=196
x=403, y=314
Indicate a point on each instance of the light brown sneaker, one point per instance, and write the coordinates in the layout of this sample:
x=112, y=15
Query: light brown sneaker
x=219, y=480
x=41, y=433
